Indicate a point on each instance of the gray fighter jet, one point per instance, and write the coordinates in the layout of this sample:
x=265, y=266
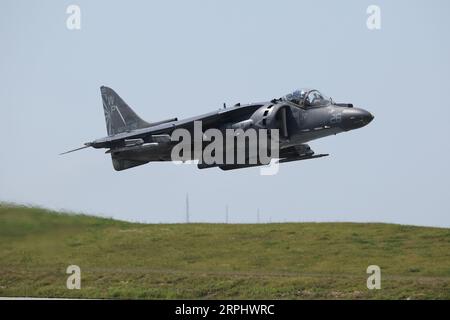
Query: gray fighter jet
x=301, y=116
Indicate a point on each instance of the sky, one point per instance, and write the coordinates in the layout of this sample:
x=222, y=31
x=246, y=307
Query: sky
x=184, y=58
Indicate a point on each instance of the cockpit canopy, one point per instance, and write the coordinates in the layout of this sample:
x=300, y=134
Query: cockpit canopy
x=308, y=98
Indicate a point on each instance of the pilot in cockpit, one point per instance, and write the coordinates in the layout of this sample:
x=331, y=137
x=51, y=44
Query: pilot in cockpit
x=296, y=97
x=307, y=98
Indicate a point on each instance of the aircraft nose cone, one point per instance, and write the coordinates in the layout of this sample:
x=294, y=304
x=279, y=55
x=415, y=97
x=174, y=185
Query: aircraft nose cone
x=367, y=117
x=354, y=118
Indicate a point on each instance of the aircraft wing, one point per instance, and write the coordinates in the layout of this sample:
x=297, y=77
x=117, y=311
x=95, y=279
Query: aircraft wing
x=209, y=120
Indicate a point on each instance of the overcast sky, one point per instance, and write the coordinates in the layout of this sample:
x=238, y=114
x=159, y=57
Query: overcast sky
x=182, y=58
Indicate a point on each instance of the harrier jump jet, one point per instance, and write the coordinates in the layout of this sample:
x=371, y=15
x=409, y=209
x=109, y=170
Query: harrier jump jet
x=301, y=116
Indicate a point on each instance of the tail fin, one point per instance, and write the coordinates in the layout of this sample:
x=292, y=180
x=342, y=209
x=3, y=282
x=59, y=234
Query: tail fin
x=118, y=115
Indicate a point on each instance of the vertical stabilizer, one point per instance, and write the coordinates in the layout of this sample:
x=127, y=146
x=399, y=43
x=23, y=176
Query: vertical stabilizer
x=119, y=116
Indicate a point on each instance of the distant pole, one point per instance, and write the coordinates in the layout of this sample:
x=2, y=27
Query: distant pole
x=257, y=216
x=187, y=207
x=226, y=214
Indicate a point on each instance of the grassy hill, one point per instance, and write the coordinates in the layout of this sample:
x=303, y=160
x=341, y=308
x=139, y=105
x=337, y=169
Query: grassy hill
x=280, y=261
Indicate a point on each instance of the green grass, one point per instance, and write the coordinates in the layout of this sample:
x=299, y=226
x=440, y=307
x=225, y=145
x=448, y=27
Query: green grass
x=208, y=261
